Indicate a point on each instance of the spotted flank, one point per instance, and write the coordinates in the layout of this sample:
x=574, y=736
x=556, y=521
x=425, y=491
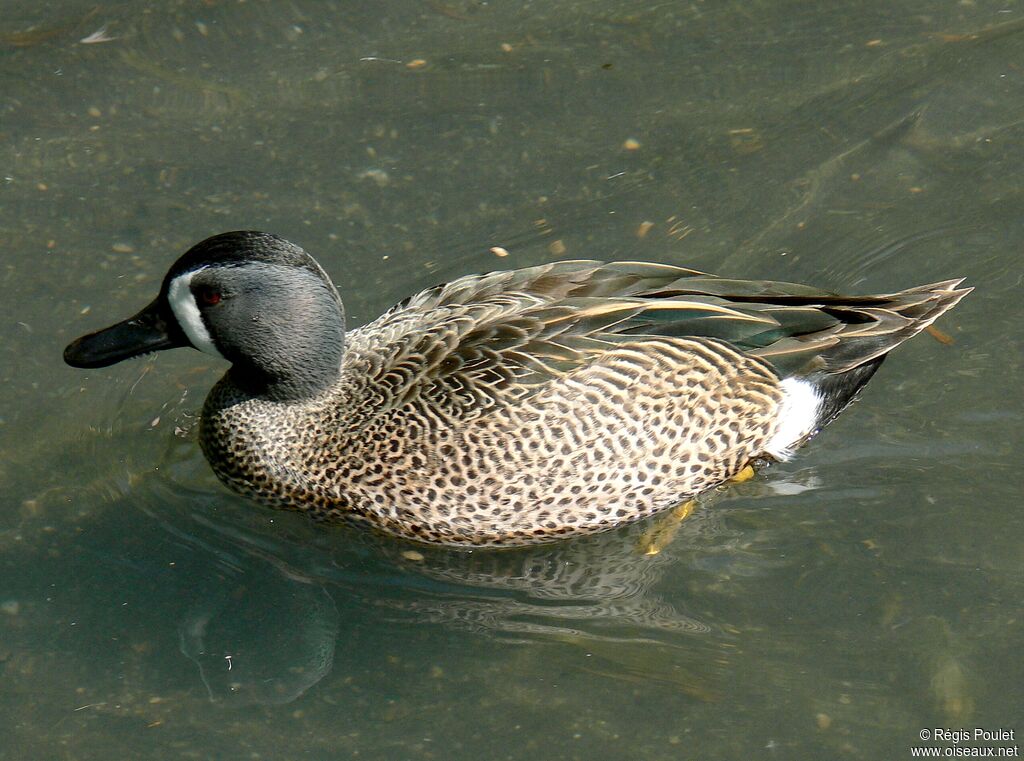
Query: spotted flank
x=513, y=407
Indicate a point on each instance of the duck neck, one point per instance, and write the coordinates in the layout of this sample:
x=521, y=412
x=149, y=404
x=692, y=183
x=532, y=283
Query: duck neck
x=292, y=365
x=278, y=384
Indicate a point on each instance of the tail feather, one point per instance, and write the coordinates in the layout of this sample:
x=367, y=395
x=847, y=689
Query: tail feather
x=849, y=363
x=899, y=317
x=866, y=329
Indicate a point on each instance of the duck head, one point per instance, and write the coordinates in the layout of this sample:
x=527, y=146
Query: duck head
x=252, y=298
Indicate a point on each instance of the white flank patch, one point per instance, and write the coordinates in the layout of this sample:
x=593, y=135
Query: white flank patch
x=798, y=416
x=185, y=309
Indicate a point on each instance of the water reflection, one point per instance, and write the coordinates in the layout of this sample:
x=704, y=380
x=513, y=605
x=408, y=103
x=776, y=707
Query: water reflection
x=262, y=624
x=260, y=639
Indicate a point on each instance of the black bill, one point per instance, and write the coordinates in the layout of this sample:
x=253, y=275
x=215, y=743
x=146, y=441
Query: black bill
x=152, y=329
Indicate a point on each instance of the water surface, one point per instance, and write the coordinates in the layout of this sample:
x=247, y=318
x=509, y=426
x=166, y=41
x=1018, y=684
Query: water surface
x=832, y=608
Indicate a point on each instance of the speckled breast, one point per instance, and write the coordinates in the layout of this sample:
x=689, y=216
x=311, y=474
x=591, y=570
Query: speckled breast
x=613, y=442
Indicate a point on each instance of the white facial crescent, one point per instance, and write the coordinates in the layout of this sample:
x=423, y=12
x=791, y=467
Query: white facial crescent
x=185, y=309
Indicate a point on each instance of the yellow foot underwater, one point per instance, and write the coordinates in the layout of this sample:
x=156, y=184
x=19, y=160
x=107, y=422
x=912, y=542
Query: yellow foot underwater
x=744, y=475
x=663, y=528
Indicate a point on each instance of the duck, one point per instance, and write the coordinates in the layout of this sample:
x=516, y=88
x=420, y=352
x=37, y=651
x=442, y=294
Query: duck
x=508, y=408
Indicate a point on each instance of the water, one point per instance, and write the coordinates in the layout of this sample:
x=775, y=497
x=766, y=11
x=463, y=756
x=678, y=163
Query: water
x=832, y=608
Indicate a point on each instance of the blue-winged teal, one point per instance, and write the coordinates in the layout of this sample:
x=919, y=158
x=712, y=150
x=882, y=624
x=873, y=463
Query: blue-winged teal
x=513, y=407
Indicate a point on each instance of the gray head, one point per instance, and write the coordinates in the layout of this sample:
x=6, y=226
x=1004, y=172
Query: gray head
x=252, y=298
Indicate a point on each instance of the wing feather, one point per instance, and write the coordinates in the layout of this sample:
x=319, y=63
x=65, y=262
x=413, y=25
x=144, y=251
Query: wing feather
x=488, y=339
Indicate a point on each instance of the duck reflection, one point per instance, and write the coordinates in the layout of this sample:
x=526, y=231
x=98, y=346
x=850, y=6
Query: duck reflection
x=243, y=652
x=263, y=621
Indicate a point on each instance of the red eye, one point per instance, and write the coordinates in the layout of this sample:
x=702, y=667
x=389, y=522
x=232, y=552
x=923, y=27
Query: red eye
x=208, y=297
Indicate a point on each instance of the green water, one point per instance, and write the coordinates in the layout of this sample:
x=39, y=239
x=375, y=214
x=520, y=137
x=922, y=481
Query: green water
x=832, y=608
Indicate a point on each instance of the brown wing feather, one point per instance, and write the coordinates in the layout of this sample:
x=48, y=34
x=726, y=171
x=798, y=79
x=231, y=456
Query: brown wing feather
x=487, y=339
